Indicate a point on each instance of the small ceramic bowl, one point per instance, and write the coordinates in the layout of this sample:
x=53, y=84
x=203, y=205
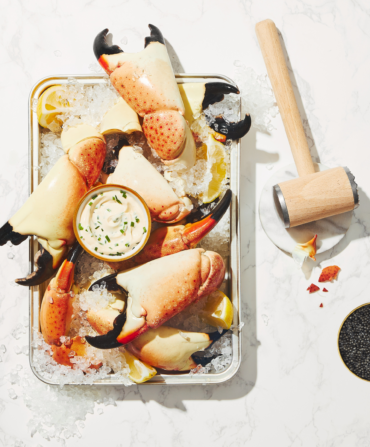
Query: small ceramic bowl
x=88, y=197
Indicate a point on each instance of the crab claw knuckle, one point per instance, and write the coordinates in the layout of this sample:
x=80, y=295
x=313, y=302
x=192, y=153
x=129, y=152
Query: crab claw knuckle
x=165, y=132
x=213, y=272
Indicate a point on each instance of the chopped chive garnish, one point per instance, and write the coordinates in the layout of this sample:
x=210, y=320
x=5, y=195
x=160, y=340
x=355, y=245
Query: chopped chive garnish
x=80, y=227
x=137, y=219
x=99, y=239
x=144, y=230
x=94, y=197
x=96, y=248
x=132, y=224
x=117, y=200
x=124, y=194
x=116, y=245
x=109, y=210
x=90, y=203
x=122, y=231
x=107, y=238
x=125, y=223
x=97, y=227
x=127, y=245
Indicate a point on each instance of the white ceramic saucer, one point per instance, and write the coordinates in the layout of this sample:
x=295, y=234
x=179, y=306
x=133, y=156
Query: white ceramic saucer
x=330, y=230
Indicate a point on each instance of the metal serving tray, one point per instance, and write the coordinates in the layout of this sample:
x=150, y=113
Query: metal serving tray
x=233, y=269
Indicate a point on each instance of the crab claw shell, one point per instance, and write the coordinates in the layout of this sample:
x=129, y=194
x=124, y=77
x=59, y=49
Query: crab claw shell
x=187, y=158
x=56, y=313
x=47, y=214
x=120, y=119
x=165, y=131
x=155, y=36
x=194, y=232
x=232, y=131
x=109, y=340
x=7, y=234
x=44, y=269
x=56, y=307
x=309, y=248
x=136, y=172
x=198, y=96
x=101, y=48
x=86, y=150
x=64, y=353
x=162, y=288
x=164, y=347
x=145, y=80
x=102, y=320
x=169, y=348
x=159, y=290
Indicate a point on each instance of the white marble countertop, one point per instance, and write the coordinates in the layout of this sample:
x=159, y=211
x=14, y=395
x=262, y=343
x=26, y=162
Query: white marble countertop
x=292, y=388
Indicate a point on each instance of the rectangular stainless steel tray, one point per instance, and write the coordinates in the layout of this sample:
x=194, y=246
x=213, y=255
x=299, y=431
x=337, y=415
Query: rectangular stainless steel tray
x=233, y=269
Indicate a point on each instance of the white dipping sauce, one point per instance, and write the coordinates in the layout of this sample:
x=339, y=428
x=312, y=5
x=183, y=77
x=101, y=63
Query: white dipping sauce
x=112, y=223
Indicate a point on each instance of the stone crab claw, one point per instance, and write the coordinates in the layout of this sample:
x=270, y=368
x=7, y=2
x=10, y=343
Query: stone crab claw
x=57, y=311
x=172, y=239
x=136, y=172
x=48, y=212
x=145, y=80
x=56, y=306
x=159, y=290
x=198, y=96
x=165, y=347
x=172, y=349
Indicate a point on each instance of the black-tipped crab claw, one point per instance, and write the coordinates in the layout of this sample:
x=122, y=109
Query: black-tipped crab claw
x=157, y=99
x=198, y=97
x=45, y=263
x=158, y=290
x=48, y=212
x=101, y=47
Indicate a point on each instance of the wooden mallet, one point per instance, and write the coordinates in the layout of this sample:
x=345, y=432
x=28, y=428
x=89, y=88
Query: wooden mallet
x=314, y=195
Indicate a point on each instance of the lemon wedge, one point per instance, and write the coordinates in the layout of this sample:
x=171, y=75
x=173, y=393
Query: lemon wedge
x=216, y=159
x=140, y=372
x=218, y=310
x=50, y=105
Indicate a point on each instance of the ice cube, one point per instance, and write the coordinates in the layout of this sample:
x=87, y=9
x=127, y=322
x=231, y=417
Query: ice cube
x=17, y=349
x=12, y=393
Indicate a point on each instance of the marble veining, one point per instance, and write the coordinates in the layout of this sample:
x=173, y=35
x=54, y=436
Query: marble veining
x=291, y=389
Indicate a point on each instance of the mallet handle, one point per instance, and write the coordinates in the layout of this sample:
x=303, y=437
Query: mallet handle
x=277, y=70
